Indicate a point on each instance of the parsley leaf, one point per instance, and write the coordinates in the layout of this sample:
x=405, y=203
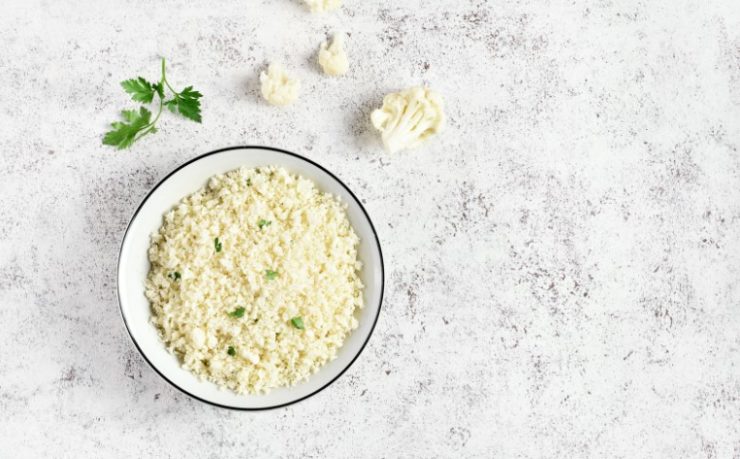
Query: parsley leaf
x=188, y=93
x=262, y=223
x=297, y=322
x=271, y=275
x=188, y=104
x=238, y=313
x=217, y=245
x=175, y=276
x=124, y=134
x=231, y=351
x=159, y=87
x=140, y=89
x=171, y=104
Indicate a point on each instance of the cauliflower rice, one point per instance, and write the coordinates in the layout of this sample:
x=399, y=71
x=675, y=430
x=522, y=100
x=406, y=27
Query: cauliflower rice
x=254, y=279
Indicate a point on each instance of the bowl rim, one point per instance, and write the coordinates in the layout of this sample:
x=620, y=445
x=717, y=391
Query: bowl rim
x=276, y=150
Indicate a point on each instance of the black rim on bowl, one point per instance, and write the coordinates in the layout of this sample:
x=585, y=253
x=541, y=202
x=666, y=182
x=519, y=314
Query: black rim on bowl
x=277, y=150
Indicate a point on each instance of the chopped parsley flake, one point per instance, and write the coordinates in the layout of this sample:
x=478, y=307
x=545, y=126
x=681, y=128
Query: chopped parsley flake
x=271, y=275
x=238, y=313
x=217, y=244
x=231, y=351
x=297, y=322
x=262, y=223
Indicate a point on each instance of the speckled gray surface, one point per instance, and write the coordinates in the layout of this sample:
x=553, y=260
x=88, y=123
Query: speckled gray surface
x=562, y=263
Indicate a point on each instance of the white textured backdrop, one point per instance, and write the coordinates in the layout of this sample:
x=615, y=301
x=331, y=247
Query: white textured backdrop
x=563, y=263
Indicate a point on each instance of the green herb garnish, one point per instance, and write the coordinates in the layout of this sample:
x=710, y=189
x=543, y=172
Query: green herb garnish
x=297, y=322
x=137, y=124
x=262, y=223
x=271, y=275
x=217, y=244
x=249, y=182
x=238, y=313
x=174, y=276
x=231, y=351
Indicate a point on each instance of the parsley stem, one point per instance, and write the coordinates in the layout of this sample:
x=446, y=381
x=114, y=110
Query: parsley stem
x=150, y=127
x=164, y=80
x=148, y=131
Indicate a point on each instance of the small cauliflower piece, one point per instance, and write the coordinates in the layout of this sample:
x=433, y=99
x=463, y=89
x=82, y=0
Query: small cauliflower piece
x=251, y=356
x=319, y=6
x=408, y=118
x=333, y=58
x=197, y=338
x=277, y=87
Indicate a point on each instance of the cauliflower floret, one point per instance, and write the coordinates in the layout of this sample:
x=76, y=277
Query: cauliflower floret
x=277, y=87
x=332, y=58
x=409, y=117
x=319, y=6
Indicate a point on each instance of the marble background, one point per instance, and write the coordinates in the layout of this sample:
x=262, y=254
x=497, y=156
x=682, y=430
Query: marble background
x=562, y=263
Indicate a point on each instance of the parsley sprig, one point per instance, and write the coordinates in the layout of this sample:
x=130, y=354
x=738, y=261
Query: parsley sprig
x=137, y=124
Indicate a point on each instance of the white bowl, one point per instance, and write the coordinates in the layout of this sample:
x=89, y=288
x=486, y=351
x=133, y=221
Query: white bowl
x=133, y=266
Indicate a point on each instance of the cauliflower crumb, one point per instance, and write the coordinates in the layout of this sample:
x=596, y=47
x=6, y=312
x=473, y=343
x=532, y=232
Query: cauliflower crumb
x=408, y=118
x=277, y=87
x=234, y=324
x=333, y=58
x=319, y=6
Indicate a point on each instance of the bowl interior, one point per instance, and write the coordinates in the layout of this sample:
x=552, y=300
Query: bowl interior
x=133, y=267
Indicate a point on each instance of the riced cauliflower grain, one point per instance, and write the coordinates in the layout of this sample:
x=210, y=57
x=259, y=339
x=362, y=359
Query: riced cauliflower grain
x=332, y=57
x=277, y=87
x=309, y=243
